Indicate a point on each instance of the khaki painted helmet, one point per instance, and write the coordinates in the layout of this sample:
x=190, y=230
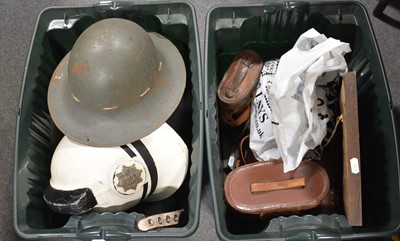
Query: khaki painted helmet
x=118, y=84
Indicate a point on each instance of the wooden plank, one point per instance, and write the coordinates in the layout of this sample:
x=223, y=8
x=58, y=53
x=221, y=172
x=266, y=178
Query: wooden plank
x=351, y=150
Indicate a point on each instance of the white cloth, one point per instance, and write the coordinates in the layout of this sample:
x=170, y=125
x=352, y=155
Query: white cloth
x=298, y=106
x=262, y=140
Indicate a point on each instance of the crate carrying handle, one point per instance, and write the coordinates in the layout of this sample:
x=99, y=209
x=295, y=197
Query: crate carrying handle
x=319, y=233
x=113, y=4
x=103, y=234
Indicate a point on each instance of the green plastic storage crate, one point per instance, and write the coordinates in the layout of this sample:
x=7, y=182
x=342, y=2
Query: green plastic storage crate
x=56, y=30
x=272, y=30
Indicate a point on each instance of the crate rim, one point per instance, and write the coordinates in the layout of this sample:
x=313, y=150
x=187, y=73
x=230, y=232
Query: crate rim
x=200, y=164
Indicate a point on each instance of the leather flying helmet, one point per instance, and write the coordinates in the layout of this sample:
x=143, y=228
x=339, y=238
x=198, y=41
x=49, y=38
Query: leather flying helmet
x=118, y=84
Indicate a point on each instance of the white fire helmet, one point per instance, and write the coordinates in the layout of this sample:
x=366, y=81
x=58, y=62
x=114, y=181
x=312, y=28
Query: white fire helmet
x=116, y=178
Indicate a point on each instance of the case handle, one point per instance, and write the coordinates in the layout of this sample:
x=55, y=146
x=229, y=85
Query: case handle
x=278, y=185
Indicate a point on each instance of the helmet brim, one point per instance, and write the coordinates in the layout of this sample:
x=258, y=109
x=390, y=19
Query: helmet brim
x=117, y=127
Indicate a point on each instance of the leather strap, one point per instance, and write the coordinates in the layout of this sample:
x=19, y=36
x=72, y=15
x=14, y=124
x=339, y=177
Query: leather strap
x=227, y=116
x=279, y=185
x=242, y=151
x=245, y=153
x=160, y=220
x=247, y=63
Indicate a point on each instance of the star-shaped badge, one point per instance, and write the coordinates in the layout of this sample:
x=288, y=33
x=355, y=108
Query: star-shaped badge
x=129, y=177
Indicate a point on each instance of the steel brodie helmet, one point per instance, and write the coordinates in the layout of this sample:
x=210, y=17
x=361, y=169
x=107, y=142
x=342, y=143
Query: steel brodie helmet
x=117, y=84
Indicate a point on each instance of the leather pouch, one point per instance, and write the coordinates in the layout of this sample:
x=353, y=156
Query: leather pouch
x=237, y=87
x=262, y=188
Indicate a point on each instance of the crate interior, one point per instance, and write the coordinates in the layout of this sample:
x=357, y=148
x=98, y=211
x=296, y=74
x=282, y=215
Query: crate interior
x=272, y=30
x=57, y=30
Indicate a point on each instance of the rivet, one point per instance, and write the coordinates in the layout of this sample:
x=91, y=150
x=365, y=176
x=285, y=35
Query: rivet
x=168, y=219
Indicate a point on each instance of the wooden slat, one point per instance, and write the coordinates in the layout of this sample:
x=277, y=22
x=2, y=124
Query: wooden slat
x=351, y=150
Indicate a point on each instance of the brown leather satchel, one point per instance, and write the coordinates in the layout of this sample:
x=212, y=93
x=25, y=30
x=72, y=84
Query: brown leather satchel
x=237, y=87
x=262, y=188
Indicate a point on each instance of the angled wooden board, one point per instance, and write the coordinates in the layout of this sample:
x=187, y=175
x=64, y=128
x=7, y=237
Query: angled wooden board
x=351, y=150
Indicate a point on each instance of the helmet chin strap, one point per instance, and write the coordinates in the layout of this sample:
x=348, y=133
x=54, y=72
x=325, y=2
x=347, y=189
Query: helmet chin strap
x=71, y=202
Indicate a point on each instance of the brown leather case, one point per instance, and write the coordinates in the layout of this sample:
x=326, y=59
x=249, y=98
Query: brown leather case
x=262, y=188
x=237, y=87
